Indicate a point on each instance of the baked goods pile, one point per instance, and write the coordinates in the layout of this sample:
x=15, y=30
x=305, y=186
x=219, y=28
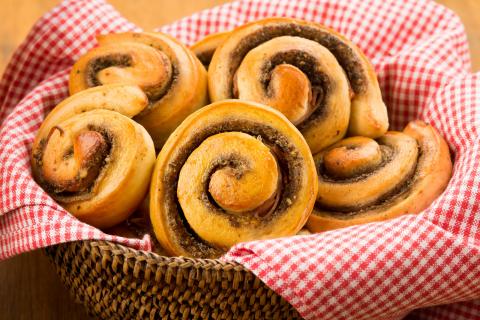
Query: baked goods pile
x=295, y=135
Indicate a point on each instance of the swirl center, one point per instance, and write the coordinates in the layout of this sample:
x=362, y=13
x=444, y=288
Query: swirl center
x=238, y=171
x=352, y=157
x=73, y=168
x=290, y=82
x=138, y=64
x=249, y=186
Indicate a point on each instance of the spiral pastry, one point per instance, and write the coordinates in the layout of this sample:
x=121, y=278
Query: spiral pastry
x=205, y=48
x=321, y=81
x=233, y=171
x=363, y=180
x=169, y=73
x=92, y=158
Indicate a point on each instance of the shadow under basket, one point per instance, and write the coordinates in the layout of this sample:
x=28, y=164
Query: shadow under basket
x=116, y=282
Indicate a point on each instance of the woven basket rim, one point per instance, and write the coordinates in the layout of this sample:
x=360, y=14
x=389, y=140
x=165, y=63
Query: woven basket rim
x=117, y=282
x=154, y=259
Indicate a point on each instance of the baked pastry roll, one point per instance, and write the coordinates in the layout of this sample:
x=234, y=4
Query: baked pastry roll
x=233, y=171
x=320, y=80
x=92, y=158
x=168, y=72
x=363, y=180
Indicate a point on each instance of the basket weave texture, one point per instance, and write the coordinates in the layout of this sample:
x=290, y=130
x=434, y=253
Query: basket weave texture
x=116, y=282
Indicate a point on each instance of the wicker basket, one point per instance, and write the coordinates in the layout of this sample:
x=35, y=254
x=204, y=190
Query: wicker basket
x=116, y=282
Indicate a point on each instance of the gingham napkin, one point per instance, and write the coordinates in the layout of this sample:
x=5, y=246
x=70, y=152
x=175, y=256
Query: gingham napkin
x=375, y=271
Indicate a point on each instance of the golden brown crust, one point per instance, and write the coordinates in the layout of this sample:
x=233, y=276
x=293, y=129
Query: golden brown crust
x=249, y=65
x=231, y=162
x=205, y=48
x=92, y=158
x=411, y=191
x=168, y=72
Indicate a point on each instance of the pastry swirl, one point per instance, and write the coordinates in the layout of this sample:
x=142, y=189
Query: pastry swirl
x=363, y=180
x=321, y=81
x=92, y=158
x=169, y=73
x=233, y=171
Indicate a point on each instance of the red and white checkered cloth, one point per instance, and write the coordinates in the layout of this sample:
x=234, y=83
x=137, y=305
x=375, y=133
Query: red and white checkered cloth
x=375, y=271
